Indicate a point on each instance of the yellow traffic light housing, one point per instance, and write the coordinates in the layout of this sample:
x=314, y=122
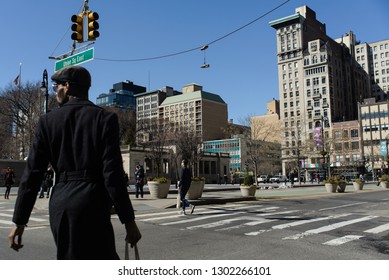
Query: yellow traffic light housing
x=93, y=25
x=78, y=28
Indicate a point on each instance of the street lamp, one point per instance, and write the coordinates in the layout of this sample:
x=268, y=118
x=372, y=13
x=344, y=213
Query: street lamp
x=45, y=90
x=323, y=151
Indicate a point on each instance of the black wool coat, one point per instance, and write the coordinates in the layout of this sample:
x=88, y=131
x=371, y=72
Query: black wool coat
x=78, y=137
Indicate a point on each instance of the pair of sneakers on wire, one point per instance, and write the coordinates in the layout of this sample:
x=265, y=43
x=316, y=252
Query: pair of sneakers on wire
x=191, y=207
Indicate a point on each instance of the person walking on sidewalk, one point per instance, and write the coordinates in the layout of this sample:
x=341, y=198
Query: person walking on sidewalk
x=139, y=180
x=184, y=185
x=81, y=142
x=9, y=179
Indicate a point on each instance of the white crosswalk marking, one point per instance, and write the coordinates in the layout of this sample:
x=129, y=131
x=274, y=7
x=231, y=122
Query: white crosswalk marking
x=378, y=229
x=201, y=218
x=342, y=240
x=31, y=218
x=297, y=223
x=6, y=222
x=329, y=227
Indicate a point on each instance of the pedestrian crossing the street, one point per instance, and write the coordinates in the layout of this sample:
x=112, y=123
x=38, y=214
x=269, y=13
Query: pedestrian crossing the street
x=252, y=220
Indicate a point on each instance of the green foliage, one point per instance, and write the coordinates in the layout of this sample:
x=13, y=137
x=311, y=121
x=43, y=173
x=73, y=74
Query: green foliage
x=158, y=179
x=196, y=179
x=384, y=178
x=248, y=180
x=331, y=180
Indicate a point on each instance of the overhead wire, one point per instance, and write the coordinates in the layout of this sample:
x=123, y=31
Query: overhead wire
x=199, y=47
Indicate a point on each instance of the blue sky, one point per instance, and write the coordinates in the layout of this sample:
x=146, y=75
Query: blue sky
x=243, y=68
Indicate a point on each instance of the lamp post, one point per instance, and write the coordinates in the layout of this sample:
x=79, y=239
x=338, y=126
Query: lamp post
x=323, y=151
x=45, y=90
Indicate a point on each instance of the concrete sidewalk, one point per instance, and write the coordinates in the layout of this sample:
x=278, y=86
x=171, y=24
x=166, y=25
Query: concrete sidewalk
x=221, y=194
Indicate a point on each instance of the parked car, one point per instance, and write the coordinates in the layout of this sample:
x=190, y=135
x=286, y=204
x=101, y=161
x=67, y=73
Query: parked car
x=263, y=179
x=278, y=179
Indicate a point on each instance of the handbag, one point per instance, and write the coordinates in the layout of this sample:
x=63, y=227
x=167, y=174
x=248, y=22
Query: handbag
x=127, y=255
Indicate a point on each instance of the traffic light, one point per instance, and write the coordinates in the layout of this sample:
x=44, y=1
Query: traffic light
x=78, y=28
x=93, y=25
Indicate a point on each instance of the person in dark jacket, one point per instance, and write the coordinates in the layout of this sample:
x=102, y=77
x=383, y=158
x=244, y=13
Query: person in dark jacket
x=81, y=142
x=9, y=179
x=184, y=185
x=139, y=180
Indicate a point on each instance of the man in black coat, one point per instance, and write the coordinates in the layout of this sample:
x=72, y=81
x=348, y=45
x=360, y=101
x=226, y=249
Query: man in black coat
x=81, y=142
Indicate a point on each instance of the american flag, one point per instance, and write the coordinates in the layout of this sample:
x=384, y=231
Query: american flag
x=16, y=81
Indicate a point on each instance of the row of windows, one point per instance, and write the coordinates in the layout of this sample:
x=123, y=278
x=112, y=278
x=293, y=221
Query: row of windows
x=374, y=115
x=315, y=59
x=383, y=71
x=382, y=47
x=148, y=99
x=373, y=128
x=316, y=70
x=182, y=105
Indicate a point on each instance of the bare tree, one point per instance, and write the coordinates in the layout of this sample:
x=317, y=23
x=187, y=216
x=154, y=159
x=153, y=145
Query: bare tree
x=188, y=145
x=157, y=142
x=127, y=125
x=261, y=150
x=20, y=109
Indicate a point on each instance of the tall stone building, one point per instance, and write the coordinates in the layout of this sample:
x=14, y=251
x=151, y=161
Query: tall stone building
x=195, y=109
x=320, y=83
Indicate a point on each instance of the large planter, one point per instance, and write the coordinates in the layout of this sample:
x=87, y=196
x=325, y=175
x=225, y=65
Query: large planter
x=248, y=190
x=385, y=184
x=195, y=190
x=331, y=188
x=341, y=187
x=158, y=190
x=358, y=186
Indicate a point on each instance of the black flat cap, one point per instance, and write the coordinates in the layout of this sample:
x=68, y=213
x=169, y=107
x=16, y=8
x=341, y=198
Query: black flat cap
x=73, y=74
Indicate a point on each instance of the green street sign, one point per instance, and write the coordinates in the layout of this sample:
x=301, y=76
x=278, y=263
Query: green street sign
x=75, y=59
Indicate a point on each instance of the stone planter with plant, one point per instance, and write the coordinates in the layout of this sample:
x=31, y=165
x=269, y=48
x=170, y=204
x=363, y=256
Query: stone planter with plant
x=330, y=184
x=196, y=188
x=384, y=181
x=248, y=188
x=358, y=184
x=158, y=187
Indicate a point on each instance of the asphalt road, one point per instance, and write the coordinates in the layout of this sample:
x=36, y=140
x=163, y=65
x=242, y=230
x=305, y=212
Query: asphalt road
x=351, y=226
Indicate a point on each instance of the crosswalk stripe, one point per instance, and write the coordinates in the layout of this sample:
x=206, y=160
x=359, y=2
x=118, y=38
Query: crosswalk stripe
x=201, y=218
x=296, y=223
x=31, y=218
x=329, y=227
x=6, y=222
x=378, y=229
x=223, y=222
x=342, y=206
x=168, y=215
x=342, y=240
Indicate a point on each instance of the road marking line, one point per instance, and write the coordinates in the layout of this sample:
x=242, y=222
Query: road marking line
x=342, y=240
x=297, y=223
x=342, y=206
x=6, y=222
x=201, y=218
x=168, y=215
x=31, y=218
x=223, y=222
x=378, y=229
x=329, y=227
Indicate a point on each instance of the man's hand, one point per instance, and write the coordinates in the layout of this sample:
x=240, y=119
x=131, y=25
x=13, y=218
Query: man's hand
x=133, y=233
x=16, y=231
